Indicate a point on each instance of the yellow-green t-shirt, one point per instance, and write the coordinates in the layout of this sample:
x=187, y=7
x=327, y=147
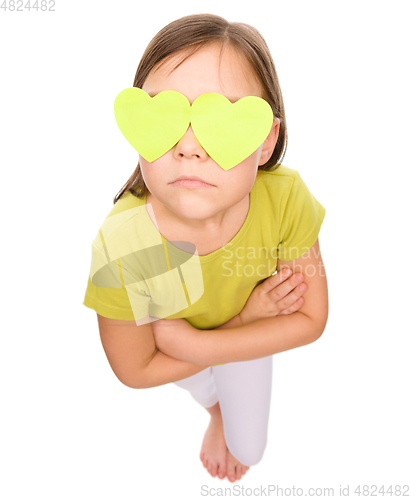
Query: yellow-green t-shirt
x=134, y=271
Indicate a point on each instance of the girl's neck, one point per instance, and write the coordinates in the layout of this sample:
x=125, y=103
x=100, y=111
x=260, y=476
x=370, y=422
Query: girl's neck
x=174, y=229
x=167, y=217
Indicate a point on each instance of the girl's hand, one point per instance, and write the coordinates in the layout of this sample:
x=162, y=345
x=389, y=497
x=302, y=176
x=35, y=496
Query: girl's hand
x=275, y=296
x=174, y=337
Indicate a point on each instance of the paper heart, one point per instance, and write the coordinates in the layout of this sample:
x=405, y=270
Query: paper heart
x=228, y=132
x=152, y=125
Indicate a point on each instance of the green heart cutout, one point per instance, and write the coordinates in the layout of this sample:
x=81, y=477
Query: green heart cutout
x=152, y=125
x=228, y=132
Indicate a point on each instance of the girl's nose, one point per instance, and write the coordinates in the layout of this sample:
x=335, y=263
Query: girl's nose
x=189, y=147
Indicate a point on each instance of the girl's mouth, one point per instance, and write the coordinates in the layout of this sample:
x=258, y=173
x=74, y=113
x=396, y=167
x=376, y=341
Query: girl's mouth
x=190, y=184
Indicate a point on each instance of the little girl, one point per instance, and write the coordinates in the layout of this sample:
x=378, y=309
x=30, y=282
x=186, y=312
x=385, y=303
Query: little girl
x=182, y=267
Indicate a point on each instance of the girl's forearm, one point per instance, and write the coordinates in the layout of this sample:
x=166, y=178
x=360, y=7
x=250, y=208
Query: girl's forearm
x=164, y=369
x=231, y=323
x=255, y=340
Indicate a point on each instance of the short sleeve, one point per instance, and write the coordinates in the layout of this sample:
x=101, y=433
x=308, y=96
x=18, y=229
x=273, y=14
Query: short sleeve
x=106, y=293
x=301, y=221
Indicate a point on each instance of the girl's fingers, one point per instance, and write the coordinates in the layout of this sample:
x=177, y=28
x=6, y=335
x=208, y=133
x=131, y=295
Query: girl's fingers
x=275, y=280
x=292, y=298
x=282, y=287
x=297, y=304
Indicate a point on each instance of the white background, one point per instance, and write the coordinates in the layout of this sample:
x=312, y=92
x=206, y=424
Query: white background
x=340, y=412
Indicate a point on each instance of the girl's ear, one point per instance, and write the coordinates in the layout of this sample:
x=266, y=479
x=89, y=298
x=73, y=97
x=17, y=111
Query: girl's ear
x=270, y=142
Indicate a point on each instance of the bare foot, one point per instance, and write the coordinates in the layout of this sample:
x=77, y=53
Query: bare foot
x=214, y=451
x=235, y=469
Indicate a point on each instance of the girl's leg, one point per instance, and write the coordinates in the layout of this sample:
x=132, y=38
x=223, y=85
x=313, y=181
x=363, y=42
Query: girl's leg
x=244, y=393
x=201, y=387
x=213, y=452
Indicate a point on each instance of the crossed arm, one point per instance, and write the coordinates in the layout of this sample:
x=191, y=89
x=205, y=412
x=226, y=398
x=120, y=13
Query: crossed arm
x=264, y=337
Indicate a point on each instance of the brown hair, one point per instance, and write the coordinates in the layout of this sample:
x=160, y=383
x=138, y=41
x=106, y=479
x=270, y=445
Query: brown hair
x=196, y=31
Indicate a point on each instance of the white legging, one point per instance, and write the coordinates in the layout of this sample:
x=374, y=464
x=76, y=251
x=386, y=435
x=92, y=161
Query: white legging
x=244, y=392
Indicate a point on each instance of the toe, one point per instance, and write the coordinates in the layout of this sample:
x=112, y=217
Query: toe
x=231, y=472
x=212, y=469
x=221, y=471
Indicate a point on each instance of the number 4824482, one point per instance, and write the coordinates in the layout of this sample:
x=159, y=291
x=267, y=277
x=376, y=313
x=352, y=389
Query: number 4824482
x=20, y=6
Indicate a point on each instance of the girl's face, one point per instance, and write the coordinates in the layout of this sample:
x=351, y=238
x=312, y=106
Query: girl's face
x=204, y=208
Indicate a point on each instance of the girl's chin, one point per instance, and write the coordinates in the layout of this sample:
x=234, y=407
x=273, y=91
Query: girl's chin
x=191, y=208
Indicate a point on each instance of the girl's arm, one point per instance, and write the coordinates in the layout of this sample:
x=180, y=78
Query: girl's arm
x=263, y=337
x=163, y=369
x=255, y=340
x=134, y=358
x=281, y=333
